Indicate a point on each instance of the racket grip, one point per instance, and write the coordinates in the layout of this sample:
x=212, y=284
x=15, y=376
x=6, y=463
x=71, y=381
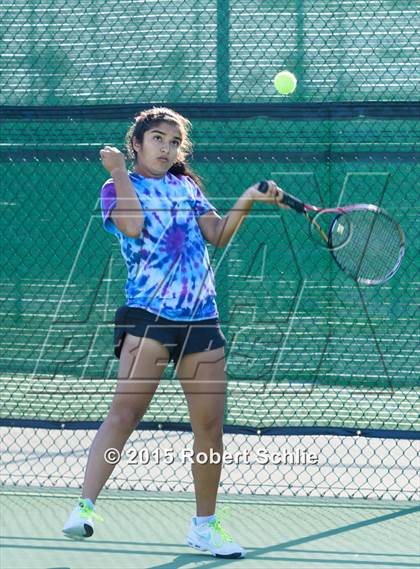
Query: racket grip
x=293, y=202
x=288, y=199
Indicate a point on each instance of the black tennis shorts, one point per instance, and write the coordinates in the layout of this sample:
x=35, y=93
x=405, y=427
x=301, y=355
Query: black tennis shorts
x=179, y=337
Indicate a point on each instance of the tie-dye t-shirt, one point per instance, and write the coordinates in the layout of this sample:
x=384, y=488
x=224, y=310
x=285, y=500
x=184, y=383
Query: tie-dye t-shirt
x=169, y=271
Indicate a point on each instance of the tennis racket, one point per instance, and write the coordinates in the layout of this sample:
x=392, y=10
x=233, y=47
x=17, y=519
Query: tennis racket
x=364, y=240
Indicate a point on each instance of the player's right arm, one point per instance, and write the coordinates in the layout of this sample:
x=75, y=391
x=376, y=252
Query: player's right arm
x=128, y=214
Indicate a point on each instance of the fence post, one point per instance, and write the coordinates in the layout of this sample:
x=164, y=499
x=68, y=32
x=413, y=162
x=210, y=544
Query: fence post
x=223, y=61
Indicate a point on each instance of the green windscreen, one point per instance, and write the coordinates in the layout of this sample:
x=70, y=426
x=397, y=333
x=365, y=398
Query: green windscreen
x=291, y=317
x=85, y=53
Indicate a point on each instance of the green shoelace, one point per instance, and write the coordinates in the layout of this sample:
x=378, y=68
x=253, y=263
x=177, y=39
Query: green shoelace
x=88, y=512
x=225, y=537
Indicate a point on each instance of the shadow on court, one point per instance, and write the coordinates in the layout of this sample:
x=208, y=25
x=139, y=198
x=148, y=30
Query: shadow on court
x=149, y=531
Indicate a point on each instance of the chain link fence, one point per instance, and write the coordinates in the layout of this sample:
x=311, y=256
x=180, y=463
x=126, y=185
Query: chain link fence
x=316, y=365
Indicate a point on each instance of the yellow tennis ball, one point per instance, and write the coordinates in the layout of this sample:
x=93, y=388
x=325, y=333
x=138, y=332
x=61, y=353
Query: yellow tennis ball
x=285, y=82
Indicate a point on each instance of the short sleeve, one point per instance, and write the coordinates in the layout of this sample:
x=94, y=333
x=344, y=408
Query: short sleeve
x=202, y=204
x=108, y=202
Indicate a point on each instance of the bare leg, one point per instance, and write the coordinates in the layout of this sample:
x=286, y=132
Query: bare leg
x=203, y=380
x=142, y=364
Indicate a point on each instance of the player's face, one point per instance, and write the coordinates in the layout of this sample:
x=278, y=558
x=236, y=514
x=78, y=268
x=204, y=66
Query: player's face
x=159, y=150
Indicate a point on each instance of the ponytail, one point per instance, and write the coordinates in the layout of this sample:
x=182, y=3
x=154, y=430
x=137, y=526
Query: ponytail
x=182, y=169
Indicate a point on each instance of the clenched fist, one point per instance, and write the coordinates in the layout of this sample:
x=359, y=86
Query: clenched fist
x=112, y=158
x=274, y=194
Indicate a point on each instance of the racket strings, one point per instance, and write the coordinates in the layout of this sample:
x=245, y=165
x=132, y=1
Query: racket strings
x=373, y=248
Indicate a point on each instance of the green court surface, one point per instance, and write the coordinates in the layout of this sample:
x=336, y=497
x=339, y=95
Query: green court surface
x=150, y=531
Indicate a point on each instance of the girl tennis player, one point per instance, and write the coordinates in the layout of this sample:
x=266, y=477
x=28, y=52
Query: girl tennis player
x=162, y=221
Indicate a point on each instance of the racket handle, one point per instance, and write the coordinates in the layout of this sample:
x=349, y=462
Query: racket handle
x=288, y=199
x=293, y=202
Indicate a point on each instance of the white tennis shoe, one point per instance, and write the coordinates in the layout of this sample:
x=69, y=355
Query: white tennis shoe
x=210, y=536
x=80, y=522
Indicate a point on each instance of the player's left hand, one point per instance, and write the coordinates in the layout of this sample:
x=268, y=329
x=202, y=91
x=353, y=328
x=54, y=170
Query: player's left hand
x=274, y=194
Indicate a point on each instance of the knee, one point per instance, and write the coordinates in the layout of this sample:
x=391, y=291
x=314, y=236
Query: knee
x=210, y=430
x=123, y=420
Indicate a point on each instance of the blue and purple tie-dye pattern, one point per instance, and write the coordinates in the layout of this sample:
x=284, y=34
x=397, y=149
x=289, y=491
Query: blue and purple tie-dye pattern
x=169, y=271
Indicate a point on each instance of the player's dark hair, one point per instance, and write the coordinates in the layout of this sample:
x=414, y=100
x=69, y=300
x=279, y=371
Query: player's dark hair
x=146, y=120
